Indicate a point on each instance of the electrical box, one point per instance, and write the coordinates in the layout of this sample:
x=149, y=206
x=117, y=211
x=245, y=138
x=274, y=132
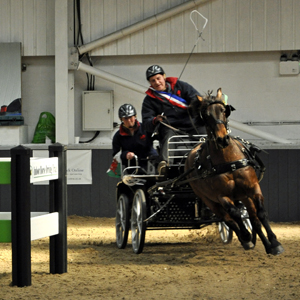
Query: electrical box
x=289, y=67
x=97, y=110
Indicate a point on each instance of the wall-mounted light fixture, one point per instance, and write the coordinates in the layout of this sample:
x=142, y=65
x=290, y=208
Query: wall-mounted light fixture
x=283, y=57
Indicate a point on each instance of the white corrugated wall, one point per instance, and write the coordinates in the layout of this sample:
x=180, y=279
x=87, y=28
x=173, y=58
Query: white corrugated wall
x=30, y=22
x=233, y=26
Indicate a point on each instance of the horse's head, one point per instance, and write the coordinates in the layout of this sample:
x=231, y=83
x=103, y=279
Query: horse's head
x=214, y=114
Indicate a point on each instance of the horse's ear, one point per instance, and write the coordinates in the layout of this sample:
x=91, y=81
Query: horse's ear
x=219, y=93
x=200, y=98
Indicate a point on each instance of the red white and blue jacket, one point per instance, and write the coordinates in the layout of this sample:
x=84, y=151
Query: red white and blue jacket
x=175, y=109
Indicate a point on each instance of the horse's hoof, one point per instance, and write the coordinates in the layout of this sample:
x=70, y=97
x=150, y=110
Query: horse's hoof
x=276, y=250
x=248, y=245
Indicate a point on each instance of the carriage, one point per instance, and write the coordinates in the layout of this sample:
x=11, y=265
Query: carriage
x=217, y=183
x=149, y=201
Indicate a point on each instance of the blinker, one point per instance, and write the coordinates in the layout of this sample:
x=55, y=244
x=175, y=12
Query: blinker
x=228, y=110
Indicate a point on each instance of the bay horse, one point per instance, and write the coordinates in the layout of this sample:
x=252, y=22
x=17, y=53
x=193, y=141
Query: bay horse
x=223, y=175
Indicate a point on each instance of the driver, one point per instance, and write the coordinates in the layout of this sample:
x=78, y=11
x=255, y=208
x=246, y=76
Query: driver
x=132, y=139
x=167, y=100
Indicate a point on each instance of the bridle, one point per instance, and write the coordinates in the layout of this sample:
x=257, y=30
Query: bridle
x=219, y=142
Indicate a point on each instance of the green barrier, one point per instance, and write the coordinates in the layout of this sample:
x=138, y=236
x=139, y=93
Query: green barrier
x=5, y=229
x=5, y=170
x=5, y=225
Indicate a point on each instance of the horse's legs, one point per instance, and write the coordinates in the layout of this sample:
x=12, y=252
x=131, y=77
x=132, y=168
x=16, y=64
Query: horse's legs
x=232, y=217
x=243, y=234
x=271, y=243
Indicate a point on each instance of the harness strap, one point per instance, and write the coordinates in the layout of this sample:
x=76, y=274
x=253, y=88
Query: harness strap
x=216, y=170
x=251, y=160
x=231, y=166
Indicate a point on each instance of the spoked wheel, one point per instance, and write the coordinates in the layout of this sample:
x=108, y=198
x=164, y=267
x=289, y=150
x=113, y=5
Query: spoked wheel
x=248, y=224
x=138, y=226
x=225, y=233
x=122, y=221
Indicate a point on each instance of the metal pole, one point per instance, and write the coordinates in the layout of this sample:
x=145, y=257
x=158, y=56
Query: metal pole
x=257, y=132
x=139, y=25
x=20, y=211
x=58, y=203
x=113, y=78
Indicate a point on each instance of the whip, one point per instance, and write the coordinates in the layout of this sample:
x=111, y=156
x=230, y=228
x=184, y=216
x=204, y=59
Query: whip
x=196, y=42
x=198, y=37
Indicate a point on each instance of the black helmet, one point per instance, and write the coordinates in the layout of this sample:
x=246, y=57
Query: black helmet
x=153, y=70
x=126, y=110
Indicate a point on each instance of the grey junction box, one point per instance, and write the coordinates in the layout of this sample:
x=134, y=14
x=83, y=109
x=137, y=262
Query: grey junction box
x=289, y=67
x=97, y=110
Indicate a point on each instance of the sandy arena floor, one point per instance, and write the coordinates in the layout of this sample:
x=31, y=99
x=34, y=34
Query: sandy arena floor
x=180, y=264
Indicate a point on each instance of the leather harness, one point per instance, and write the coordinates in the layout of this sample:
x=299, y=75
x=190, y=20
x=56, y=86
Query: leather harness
x=251, y=159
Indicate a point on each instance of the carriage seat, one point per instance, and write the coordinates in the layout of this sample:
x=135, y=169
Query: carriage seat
x=179, y=147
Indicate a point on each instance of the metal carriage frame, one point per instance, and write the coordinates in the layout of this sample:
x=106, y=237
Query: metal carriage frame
x=149, y=201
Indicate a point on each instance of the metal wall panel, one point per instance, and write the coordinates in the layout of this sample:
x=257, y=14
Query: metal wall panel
x=50, y=25
x=123, y=45
x=273, y=24
x=231, y=25
x=15, y=20
x=109, y=25
x=234, y=25
x=30, y=22
x=41, y=27
x=296, y=16
x=150, y=33
x=96, y=22
x=135, y=15
x=244, y=28
x=5, y=21
x=258, y=37
x=287, y=34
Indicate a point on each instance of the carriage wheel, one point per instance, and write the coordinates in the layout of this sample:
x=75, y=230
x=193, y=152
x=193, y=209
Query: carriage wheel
x=138, y=226
x=248, y=224
x=225, y=233
x=122, y=221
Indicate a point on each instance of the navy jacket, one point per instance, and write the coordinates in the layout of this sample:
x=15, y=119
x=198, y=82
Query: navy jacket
x=140, y=143
x=177, y=117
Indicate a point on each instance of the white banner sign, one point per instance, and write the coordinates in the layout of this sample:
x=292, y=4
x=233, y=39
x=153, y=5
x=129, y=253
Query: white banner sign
x=79, y=166
x=42, y=169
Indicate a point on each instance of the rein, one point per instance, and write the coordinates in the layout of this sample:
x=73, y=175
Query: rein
x=179, y=131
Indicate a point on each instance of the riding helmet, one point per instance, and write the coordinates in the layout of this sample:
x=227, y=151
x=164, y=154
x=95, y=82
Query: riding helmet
x=154, y=70
x=126, y=110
